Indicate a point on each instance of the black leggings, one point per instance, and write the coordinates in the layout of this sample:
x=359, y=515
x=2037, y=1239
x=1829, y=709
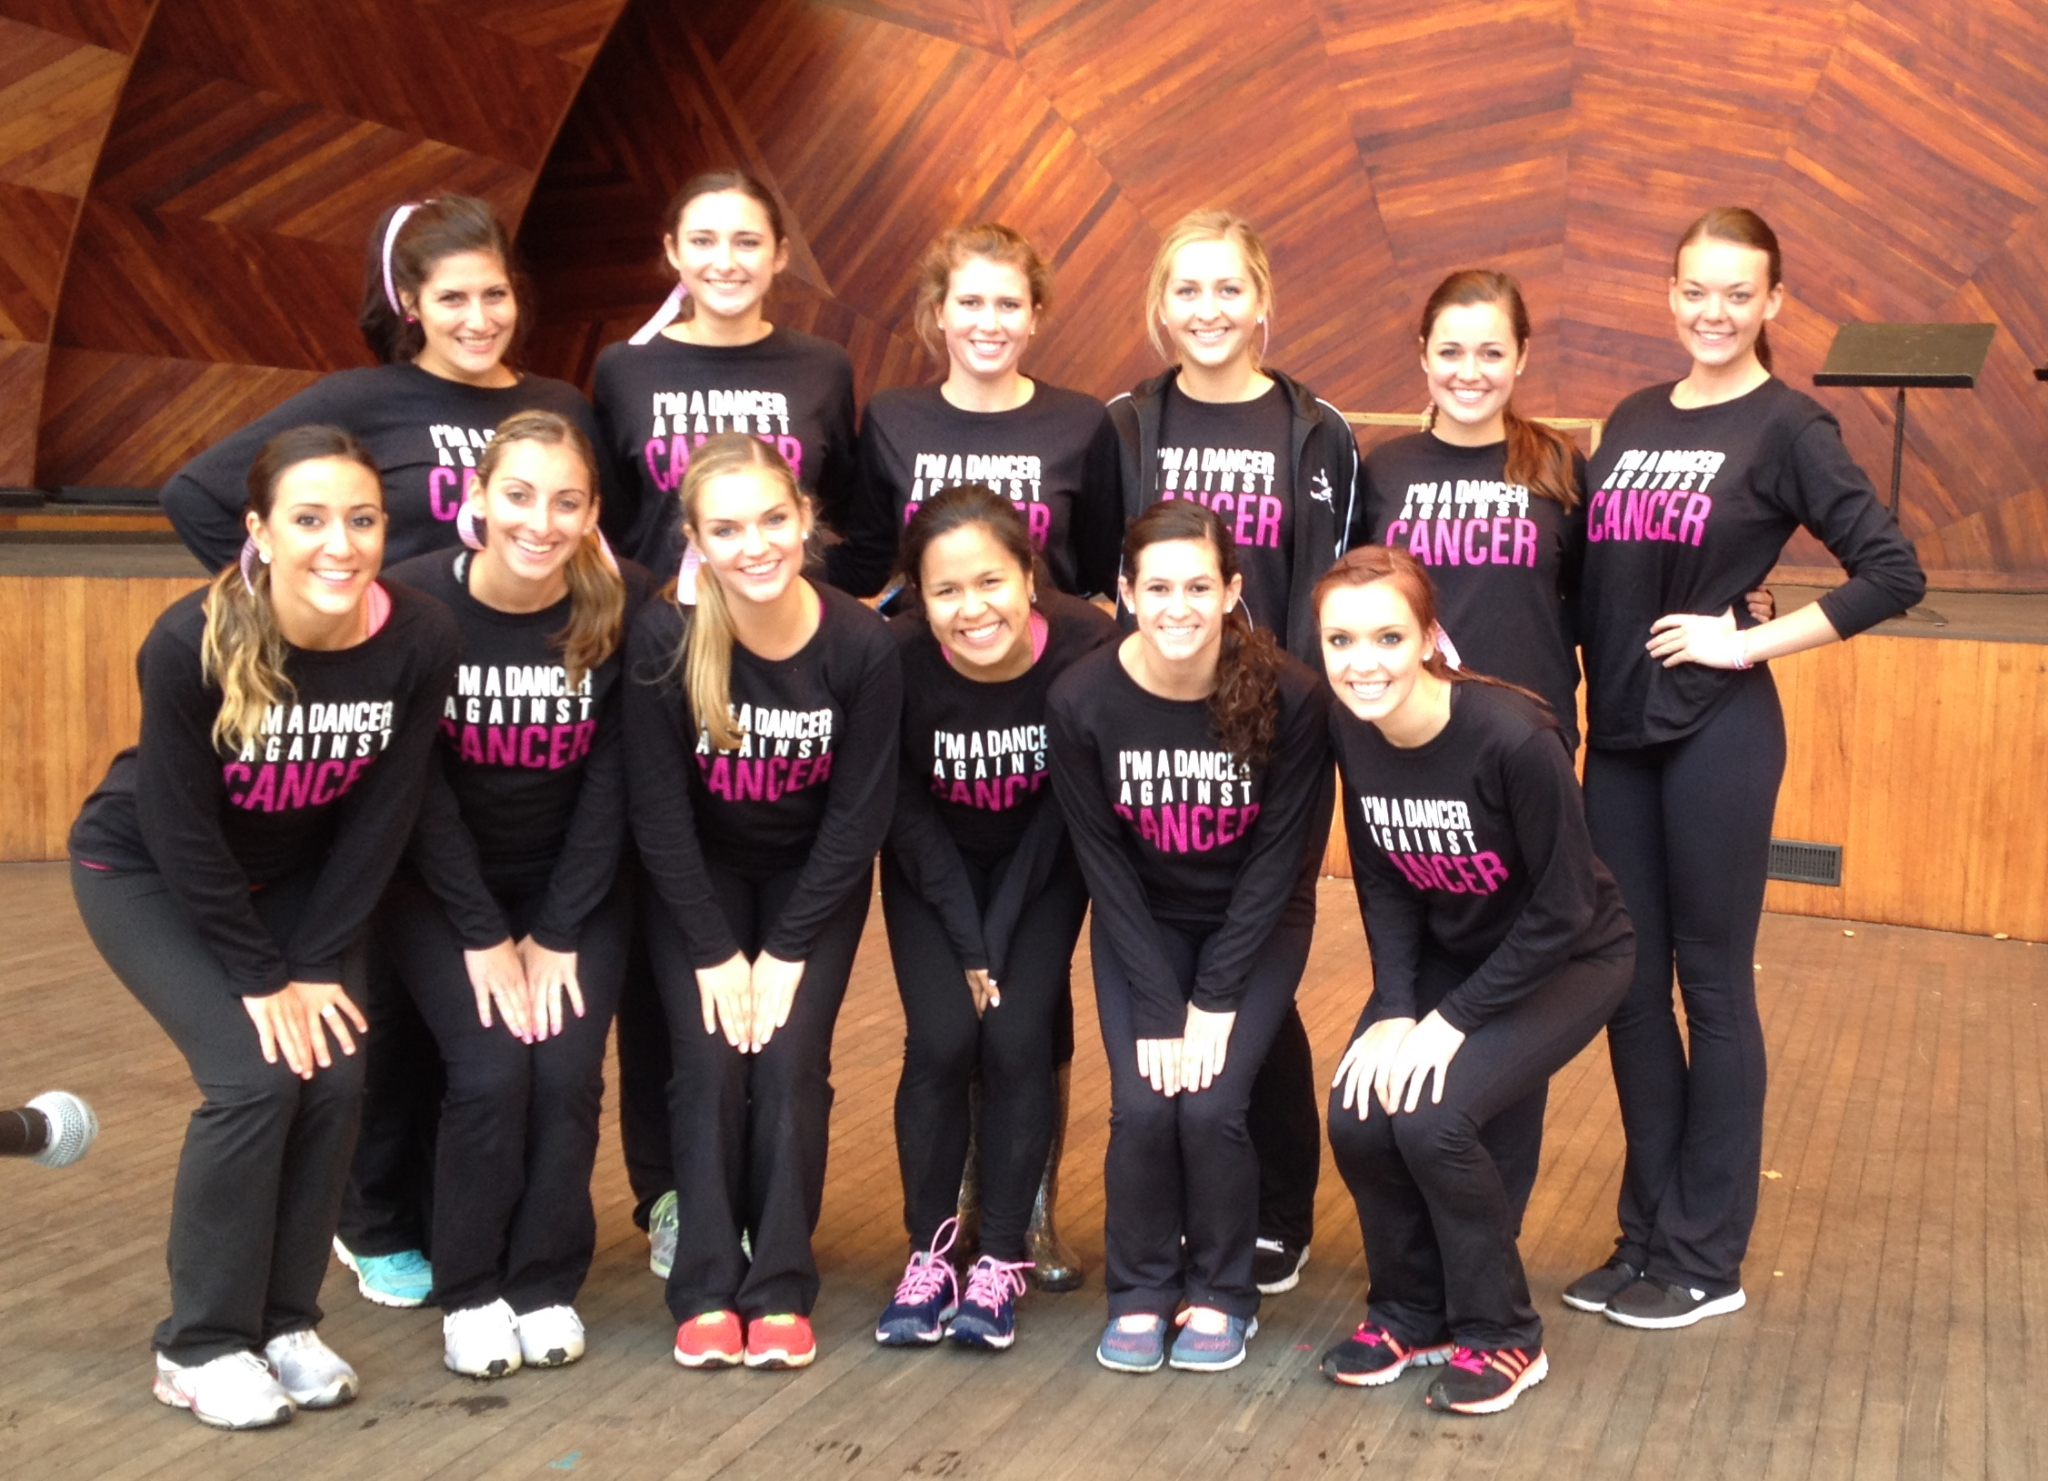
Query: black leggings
x=512, y=1212
x=265, y=1156
x=1012, y=1046
x=750, y=1131
x=1287, y=1134
x=1434, y=1203
x=388, y=1205
x=1181, y=1181
x=643, y=1067
x=1686, y=828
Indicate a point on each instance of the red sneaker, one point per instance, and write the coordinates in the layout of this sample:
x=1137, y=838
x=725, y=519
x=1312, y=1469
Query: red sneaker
x=780, y=1341
x=710, y=1341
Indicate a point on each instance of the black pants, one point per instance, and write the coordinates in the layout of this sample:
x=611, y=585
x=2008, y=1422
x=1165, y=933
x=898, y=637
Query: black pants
x=1012, y=1046
x=265, y=1156
x=1438, y=1218
x=643, y=1064
x=388, y=1205
x=1686, y=828
x=1287, y=1134
x=750, y=1131
x=512, y=1212
x=1181, y=1168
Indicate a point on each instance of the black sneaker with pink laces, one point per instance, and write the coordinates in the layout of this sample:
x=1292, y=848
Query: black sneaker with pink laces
x=1372, y=1355
x=1481, y=1380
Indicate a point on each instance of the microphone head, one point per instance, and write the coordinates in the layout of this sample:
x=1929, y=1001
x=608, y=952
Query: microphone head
x=73, y=1127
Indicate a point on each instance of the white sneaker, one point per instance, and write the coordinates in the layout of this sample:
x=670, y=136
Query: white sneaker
x=481, y=1341
x=550, y=1337
x=310, y=1371
x=234, y=1392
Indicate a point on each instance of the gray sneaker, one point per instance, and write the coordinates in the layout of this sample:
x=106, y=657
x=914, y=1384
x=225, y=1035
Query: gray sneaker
x=661, y=1235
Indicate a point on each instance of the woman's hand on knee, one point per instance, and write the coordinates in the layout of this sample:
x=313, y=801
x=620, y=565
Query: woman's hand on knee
x=496, y=976
x=982, y=988
x=280, y=1020
x=328, y=1009
x=727, y=994
x=775, y=985
x=1362, y=1073
x=549, y=974
x=1203, y=1046
x=1425, y=1054
x=1159, y=1061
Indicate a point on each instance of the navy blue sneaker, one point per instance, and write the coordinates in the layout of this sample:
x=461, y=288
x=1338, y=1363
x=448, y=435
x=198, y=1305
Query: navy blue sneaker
x=1195, y=1351
x=988, y=1312
x=1142, y=1351
x=925, y=1298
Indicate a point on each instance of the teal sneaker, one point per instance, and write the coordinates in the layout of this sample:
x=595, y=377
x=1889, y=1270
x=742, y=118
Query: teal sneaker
x=403, y=1279
x=661, y=1235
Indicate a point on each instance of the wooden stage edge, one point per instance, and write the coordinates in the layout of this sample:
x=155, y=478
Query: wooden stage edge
x=1897, y=1281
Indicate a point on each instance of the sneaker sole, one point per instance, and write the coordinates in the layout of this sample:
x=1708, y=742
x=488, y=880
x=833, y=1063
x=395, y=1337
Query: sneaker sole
x=365, y=1290
x=778, y=1359
x=1131, y=1368
x=1427, y=1357
x=1281, y=1287
x=495, y=1369
x=1719, y=1306
x=167, y=1395
x=702, y=1360
x=554, y=1357
x=909, y=1339
x=991, y=1341
x=332, y=1397
x=1581, y=1303
x=1532, y=1375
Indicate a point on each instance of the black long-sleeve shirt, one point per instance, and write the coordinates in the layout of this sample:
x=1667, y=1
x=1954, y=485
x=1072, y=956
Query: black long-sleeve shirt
x=425, y=433
x=976, y=768
x=658, y=401
x=1171, y=827
x=332, y=782
x=1505, y=561
x=1689, y=509
x=530, y=794
x=1055, y=457
x=810, y=788
x=1474, y=845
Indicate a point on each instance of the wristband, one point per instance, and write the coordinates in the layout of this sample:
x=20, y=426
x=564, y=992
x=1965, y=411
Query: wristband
x=1742, y=648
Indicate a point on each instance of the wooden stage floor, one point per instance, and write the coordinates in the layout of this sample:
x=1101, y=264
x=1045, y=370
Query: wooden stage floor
x=1898, y=1281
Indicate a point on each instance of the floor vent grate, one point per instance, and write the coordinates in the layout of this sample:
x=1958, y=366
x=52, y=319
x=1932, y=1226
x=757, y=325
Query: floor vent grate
x=1806, y=863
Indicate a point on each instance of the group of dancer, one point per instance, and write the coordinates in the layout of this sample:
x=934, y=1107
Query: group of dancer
x=511, y=714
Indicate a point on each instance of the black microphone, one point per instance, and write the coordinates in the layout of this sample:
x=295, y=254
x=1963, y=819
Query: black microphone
x=54, y=1129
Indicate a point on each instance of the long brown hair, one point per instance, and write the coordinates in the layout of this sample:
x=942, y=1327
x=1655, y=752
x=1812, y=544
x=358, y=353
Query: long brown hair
x=597, y=596
x=1243, y=708
x=1205, y=226
x=1743, y=227
x=432, y=231
x=989, y=240
x=706, y=654
x=243, y=650
x=1368, y=564
x=1539, y=457
x=715, y=182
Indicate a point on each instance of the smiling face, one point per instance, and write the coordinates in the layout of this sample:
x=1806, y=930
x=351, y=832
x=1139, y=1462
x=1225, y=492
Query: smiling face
x=537, y=509
x=987, y=318
x=1212, y=307
x=750, y=529
x=1179, y=596
x=978, y=602
x=1471, y=360
x=1721, y=298
x=1373, y=650
x=324, y=540
x=467, y=314
x=725, y=253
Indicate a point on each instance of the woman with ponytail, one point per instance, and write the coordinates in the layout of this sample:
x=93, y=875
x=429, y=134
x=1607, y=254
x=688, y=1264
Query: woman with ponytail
x=709, y=361
x=982, y=900
x=1696, y=488
x=761, y=725
x=1499, y=947
x=1279, y=466
x=225, y=869
x=509, y=927
x=1191, y=761
x=443, y=312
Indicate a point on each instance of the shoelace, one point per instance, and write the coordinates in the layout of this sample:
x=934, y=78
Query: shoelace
x=406, y=1262
x=1470, y=1359
x=993, y=1281
x=923, y=1279
x=1374, y=1335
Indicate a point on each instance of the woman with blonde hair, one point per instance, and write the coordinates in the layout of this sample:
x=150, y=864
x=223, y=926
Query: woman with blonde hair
x=761, y=724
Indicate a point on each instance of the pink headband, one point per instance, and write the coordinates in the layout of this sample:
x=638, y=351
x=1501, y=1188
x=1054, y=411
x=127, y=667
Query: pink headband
x=398, y=219
x=663, y=316
x=249, y=558
x=1446, y=649
x=686, y=578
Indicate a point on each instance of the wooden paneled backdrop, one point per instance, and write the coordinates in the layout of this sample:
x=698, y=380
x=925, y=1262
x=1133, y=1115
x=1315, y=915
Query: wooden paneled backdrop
x=186, y=185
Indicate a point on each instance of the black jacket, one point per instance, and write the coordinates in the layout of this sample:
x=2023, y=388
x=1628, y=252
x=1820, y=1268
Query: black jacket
x=1325, y=468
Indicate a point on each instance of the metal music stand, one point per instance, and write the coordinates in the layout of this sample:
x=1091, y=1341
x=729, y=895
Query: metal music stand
x=1908, y=356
